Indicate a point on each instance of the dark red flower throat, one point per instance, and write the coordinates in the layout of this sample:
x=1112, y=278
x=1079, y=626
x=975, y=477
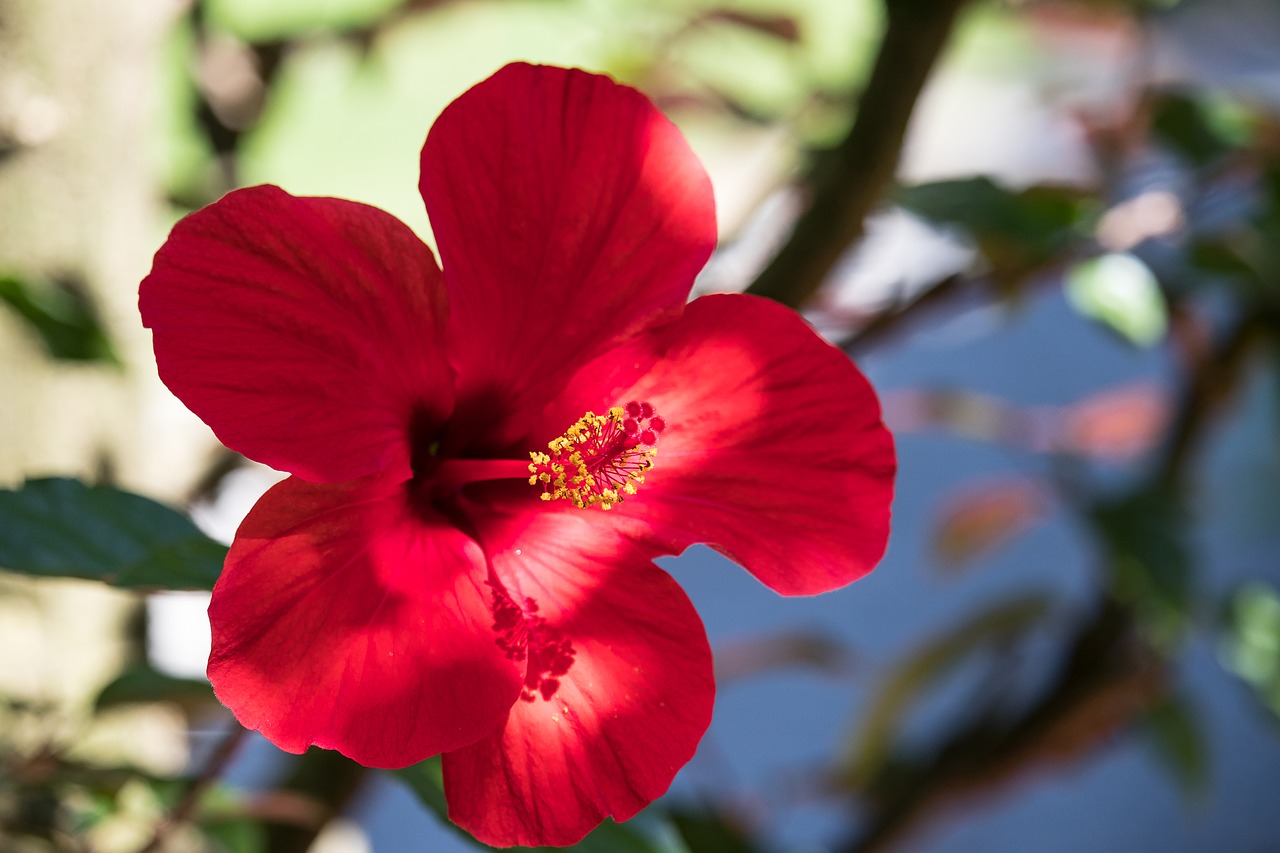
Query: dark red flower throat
x=598, y=461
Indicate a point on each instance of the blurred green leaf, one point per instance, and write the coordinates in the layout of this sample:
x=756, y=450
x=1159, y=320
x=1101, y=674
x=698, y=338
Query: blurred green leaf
x=1192, y=129
x=253, y=20
x=1251, y=640
x=1222, y=257
x=222, y=820
x=1178, y=740
x=144, y=684
x=236, y=836
x=1145, y=534
x=62, y=314
x=872, y=746
x=1120, y=291
x=427, y=782
x=1015, y=230
x=786, y=651
x=709, y=832
x=60, y=527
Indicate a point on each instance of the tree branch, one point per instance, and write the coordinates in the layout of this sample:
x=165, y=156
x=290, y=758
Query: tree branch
x=189, y=803
x=865, y=162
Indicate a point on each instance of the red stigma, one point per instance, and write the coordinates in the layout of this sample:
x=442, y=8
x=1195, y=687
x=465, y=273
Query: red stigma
x=600, y=459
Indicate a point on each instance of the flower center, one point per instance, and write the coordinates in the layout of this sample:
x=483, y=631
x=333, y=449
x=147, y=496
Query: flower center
x=601, y=458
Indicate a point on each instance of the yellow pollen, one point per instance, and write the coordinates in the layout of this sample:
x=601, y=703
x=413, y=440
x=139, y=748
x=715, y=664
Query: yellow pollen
x=600, y=459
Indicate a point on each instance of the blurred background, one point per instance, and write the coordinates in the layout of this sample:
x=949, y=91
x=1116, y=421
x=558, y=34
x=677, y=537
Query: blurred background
x=1047, y=230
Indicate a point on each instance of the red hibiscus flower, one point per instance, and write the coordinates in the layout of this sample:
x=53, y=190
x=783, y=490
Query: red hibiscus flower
x=486, y=459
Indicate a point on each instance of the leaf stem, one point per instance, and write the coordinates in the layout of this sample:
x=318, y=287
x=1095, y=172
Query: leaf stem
x=187, y=805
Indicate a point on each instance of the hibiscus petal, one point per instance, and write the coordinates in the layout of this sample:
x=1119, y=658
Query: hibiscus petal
x=618, y=694
x=569, y=213
x=773, y=451
x=305, y=331
x=348, y=620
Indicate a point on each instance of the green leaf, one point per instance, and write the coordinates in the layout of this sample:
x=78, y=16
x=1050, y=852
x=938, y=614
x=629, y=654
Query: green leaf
x=1016, y=231
x=426, y=781
x=1251, y=640
x=1178, y=739
x=872, y=747
x=1194, y=129
x=236, y=836
x=64, y=528
x=256, y=21
x=63, y=317
x=709, y=832
x=1145, y=534
x=1119, y=290
x=144, y=684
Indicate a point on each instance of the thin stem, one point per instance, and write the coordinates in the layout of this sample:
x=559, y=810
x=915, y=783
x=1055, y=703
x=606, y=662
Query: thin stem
x=186, y=806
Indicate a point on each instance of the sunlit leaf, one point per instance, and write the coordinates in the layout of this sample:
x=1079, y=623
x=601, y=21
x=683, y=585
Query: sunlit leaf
x=221, y=817
x=912, y=677
x=981, y=517
x=1251, y=640
x=257, y=21
x=236, y=836
x=64, y=528
x=62, y=315
x=1120, y=291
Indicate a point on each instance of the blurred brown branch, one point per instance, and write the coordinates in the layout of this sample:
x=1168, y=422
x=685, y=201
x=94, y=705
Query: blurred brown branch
x=846, y=186
x=1212, y=382
x=189, y=803
x=1110, y=676
x=330, y=780
x=892, y=318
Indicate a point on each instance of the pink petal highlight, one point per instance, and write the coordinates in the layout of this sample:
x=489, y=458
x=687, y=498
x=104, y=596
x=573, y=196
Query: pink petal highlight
x=632, y=694
x=347, y=620
x=569, y=213
x=305, y=331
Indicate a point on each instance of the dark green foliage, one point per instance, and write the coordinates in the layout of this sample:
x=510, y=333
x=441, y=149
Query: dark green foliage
x=64, y=528
x=1016, y=231
x=1144, y=535
x=143, y=684
x=62, y=315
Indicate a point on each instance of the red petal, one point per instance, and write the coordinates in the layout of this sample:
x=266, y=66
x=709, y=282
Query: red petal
x=619, y=693
x=346, y=620
x=569, y=213
x=305, y=331
x=773, y=451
